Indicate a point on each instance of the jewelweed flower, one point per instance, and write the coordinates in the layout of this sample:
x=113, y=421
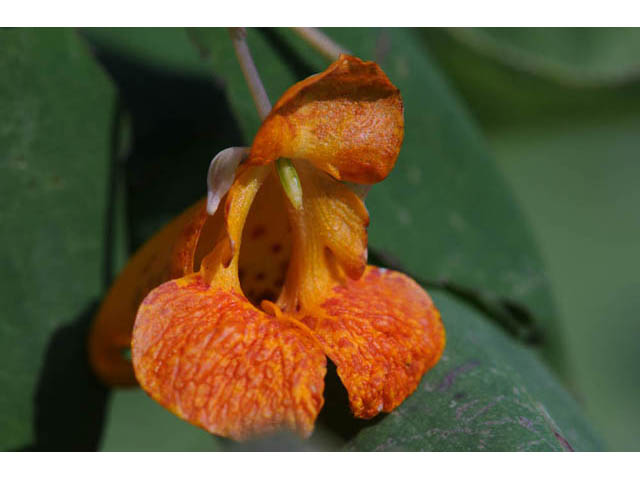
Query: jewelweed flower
x=258, y=295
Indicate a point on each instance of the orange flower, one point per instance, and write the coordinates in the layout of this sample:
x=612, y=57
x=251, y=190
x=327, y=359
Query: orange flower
x=261, y=292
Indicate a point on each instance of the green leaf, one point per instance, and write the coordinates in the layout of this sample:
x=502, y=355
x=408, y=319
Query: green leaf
x=570, y=151
x=585, y=212
x=515, y=77
x=445, y=212
x=150, y=428
x=486, y=393
x=576, y=56
x=54, y=150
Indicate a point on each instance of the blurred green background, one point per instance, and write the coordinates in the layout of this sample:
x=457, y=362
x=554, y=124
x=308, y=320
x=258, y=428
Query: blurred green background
x=561, y=111
x=515, y=195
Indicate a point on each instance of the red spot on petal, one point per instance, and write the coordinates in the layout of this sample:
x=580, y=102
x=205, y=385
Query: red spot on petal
x=258, y=231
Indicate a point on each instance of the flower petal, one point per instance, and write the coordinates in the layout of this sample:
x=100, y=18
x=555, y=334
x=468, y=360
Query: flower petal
x=266, y=244
x=329, y=238
x=168, y=254
x=347, y=120
x=205, y=353
x=202, y=350
x=383, y=333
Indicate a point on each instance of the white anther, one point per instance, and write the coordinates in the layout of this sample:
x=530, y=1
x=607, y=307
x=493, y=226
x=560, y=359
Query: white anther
x=222, y=171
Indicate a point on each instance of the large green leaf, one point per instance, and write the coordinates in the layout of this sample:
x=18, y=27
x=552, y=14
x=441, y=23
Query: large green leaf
x=487, y=393
x=573, y=166
x=54, y=158
x=575, y=56
x=135, y=423
x=444, y=213
x=504, y=84
x=585, y=213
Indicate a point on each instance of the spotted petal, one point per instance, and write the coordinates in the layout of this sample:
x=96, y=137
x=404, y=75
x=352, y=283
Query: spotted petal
x=347, y=121
x=212, y=358
x=383, y=333
x=202, y=350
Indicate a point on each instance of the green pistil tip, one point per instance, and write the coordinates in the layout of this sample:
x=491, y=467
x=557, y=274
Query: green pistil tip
x=290, y=181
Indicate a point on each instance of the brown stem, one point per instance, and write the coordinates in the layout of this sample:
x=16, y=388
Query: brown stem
x=259, y=94
x=321, y=42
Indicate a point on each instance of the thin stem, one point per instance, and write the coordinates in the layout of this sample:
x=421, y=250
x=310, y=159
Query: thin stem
x=286, y=171
x=259, y=94
x=321, y=42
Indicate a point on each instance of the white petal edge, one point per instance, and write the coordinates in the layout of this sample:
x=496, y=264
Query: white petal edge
x=222, y=171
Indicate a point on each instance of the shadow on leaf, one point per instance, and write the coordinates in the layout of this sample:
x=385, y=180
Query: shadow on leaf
x=178, y=122
x=70, y=402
